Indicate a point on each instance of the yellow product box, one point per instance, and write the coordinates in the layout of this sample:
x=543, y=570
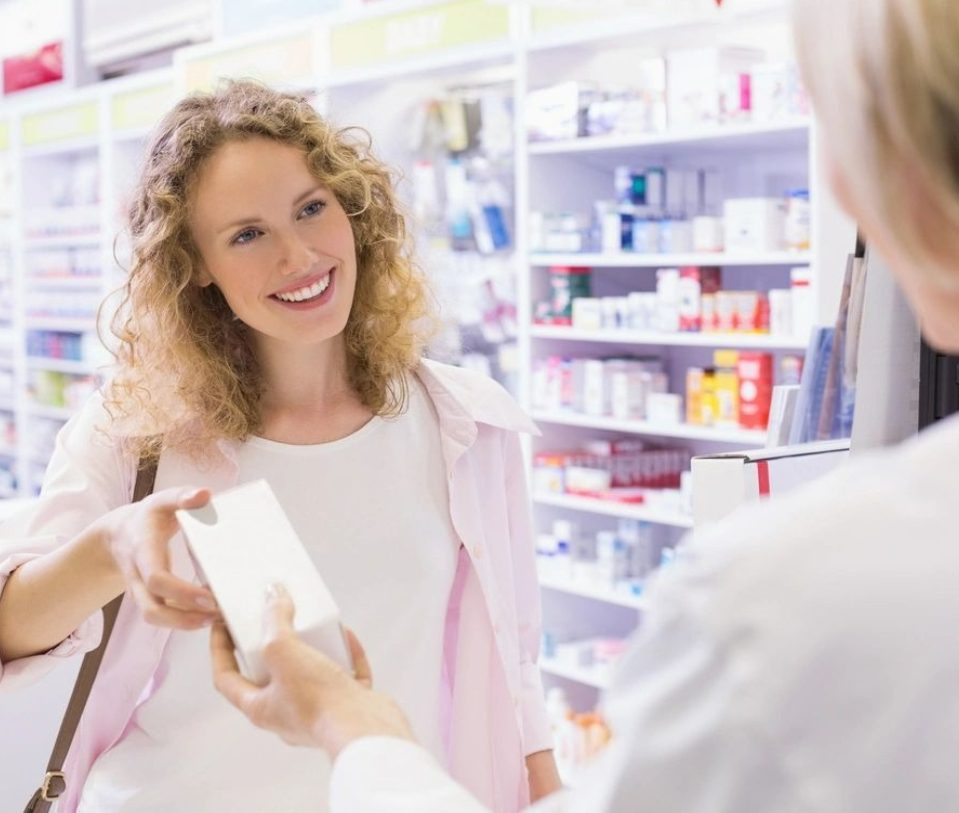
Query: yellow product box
x=726, y=388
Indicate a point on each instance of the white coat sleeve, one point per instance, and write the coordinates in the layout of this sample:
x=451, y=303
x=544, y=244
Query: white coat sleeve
x=390, y=775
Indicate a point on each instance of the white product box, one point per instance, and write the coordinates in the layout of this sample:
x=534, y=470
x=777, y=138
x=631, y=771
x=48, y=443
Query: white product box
x=664, y=408
x=629, y=395
x=723, y=482
x=708, y=234
x=595, y=387
x=754, y=225
x=242, y=543
x=587, y=313
x=554, y=112
x=694, y=82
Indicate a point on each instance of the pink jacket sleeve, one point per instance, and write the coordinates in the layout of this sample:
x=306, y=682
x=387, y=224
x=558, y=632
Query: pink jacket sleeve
x=537, y=735
x=87, y=477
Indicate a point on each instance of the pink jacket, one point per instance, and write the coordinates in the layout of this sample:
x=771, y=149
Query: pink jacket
x=493, y=704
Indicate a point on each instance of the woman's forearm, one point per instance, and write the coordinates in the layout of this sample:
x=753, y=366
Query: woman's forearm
x=47, y=598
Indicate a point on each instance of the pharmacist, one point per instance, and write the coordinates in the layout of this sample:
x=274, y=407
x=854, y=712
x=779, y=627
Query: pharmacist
x=804, y=655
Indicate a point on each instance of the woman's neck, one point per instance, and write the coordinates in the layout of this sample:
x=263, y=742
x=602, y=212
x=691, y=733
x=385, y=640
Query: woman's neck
x=307, y=395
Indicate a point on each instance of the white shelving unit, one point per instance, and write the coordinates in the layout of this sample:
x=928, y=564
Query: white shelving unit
x=596, y=677
x=626, y=259
x=369, y=77
x=609, y=508
x=735, y=340
x=746, y=438
x=620, y=598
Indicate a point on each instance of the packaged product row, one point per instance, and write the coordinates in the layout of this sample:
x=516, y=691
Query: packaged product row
x=614, y=560
x=50, y=344
x=60, y=390
x=598, y=654
x=68, y=263
x=8, y=432
x=625, y=471
x=63, y=304
x=683, y=89
x=8, y=477
x=666, y=210
x=686, y=300
x=61, y=221
x=734, y=391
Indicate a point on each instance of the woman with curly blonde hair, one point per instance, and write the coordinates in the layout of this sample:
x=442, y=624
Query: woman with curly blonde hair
x=272, y=327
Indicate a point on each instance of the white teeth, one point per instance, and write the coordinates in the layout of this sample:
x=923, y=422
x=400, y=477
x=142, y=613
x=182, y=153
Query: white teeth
x=308, y=292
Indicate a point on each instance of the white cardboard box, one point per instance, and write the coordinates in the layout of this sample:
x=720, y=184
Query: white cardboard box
x=723, y=482
x=242, y=543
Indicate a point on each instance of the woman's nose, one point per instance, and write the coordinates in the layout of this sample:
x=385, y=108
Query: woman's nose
x=297, y=256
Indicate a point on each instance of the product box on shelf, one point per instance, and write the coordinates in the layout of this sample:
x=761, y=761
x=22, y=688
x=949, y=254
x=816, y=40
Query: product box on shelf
x=693, y=283
x=753, y=225
x=755, y=372
x=695, y=82
x=723, y=482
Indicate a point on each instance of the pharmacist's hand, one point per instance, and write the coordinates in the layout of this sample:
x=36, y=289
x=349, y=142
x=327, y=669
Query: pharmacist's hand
x=308, y=699
x=137, y=537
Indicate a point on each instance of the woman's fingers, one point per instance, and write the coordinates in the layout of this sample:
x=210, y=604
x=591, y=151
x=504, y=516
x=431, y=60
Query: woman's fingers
x=160, y=615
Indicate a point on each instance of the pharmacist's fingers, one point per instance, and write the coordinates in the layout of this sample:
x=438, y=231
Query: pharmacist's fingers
x=361, y=664
x=160, y=615
x=278, y=620
x=227, y=679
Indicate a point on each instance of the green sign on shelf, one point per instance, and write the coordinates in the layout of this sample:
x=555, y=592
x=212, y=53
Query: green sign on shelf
x=63, y=124
x=546, y=18
x=134, y=109
x=394, y=37
x=281, y=61
x=4, y=136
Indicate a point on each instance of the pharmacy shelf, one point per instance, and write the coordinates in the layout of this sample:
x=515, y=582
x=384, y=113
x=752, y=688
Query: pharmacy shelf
x=74, y=145
x=620, y=598
x=641, y=512
x=596, y=676
x=61, y=283
x=61, y=324
x=61, y=365
x=62, y=241
x=624, y=259
x=738, y=340
x=7, y=404
x=749, y=438
x=8, y=451
x=53, y=412
x=748, y=136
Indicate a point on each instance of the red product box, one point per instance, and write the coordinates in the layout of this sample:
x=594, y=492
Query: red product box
x=755, y=372
x=694, y=281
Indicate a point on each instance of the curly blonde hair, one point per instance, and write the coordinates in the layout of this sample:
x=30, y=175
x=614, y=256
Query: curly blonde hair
x=186, y=372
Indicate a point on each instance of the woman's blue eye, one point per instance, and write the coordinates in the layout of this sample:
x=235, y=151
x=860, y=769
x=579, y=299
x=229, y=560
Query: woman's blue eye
x=314, y=207
x=245, y=236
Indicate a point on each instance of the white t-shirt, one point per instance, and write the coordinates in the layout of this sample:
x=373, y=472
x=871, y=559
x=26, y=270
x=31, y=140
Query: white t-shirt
x=373, y=511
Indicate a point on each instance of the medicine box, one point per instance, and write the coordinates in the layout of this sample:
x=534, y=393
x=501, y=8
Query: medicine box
x=754, y=225
x=723, y=482
x=243, y=543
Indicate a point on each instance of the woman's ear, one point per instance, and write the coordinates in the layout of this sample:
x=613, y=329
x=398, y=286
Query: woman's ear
x=202, y=277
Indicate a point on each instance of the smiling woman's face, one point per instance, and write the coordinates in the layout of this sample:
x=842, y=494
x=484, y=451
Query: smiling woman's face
x=277, y=244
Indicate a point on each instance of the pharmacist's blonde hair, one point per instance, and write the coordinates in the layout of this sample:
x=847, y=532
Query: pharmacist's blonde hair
x=186, y=371
x=884, y=79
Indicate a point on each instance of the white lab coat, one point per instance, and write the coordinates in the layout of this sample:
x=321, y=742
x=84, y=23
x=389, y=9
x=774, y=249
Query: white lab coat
x=801, y=656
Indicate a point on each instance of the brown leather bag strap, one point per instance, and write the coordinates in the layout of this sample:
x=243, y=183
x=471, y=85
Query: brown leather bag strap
x=54, y=781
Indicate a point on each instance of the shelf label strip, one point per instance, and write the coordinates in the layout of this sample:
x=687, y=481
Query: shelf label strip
x=63, y=124
x=278, y=62
x=399, y=36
